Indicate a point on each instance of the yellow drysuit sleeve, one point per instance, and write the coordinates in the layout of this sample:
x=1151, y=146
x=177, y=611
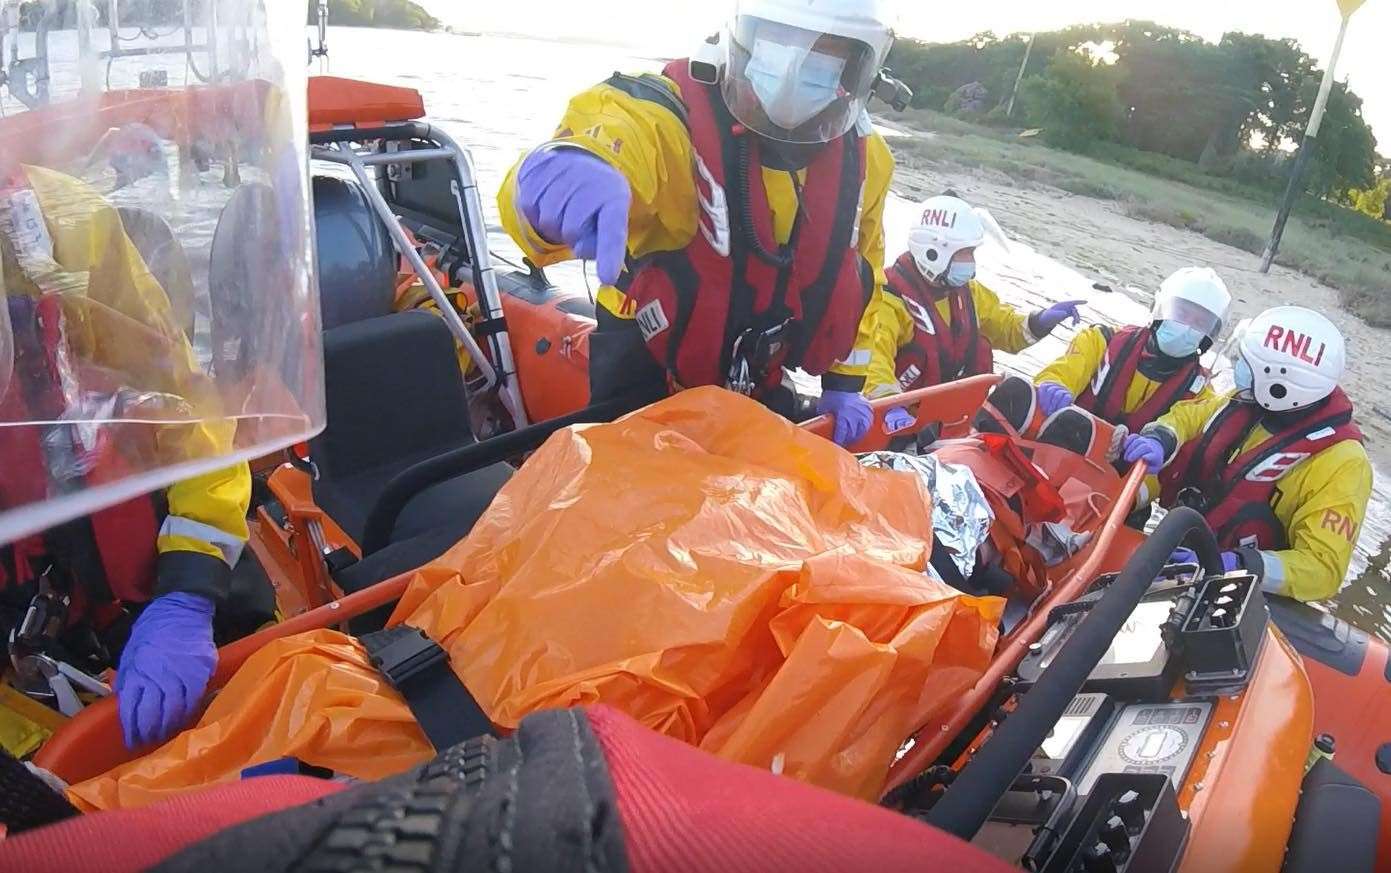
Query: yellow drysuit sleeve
x=652, y=149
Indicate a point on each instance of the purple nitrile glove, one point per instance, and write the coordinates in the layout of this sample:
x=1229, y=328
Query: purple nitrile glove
x=1142, y=448
x=852, y=414
x=572, y=197
x=1231, y=561
x=1052, y=397
x=898, y=419
x=165, y=667
x=1045, y=320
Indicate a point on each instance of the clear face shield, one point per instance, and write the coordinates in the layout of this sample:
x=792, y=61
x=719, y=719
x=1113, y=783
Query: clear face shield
x=794, y=85
x=160, y=318
x=1185, y=328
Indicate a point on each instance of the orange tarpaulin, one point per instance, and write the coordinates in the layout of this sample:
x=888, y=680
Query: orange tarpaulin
x=719, y=574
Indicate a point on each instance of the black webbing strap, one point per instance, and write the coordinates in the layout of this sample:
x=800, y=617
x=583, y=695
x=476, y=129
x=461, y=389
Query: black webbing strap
x=416, y=666
x=27, y=801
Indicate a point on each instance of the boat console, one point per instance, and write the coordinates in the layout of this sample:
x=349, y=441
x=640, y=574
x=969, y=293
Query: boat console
x=1101, y=790
x=1156, y=724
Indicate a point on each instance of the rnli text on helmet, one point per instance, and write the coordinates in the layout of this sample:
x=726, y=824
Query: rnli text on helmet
x=1294, y=344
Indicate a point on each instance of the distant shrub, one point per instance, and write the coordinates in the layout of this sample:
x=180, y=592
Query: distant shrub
x=1075, y=102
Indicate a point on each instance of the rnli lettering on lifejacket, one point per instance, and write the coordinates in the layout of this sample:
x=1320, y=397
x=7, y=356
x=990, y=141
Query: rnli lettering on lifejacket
x=652, y=320
x=1295, y=344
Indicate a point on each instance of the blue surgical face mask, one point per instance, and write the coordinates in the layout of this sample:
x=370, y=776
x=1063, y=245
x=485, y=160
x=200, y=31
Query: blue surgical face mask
x=792, y=84
x=1178, y=340
x=958, y=274
x=1245, y=379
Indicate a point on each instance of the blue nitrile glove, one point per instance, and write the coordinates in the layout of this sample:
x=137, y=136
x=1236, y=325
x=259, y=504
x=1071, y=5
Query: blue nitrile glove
x=898, y=419
x=852, y=414
x=165, y=667
x=1231, y=561
x=571, y=197
x=1052, y=397
x=1138, y=447
x=1043, y=322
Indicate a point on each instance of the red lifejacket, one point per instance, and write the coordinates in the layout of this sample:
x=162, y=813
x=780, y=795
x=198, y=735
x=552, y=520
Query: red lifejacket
x=107, y=556
x=694, y=304
x=941, y=350
x=1238, y=488
x=1126, y=350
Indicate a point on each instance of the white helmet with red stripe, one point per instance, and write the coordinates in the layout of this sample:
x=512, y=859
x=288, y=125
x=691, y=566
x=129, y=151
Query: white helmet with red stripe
x=1290, y=358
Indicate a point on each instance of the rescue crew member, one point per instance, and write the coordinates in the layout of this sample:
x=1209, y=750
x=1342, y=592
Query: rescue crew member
x=90, y=325
x=1278, y=466
x=938, y=322
x=745, y=196
x=1133, y=375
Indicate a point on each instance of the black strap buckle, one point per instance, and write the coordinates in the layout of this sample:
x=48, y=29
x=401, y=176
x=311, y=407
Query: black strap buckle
x=418, y=668
x=404, y=652
x=754, y=350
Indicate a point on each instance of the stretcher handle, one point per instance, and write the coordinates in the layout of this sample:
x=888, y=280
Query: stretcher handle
x=947, y=404
x=90, y=743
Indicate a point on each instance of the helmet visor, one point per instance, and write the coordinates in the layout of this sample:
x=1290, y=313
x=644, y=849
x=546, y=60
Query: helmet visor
x=795, y=85
x=1191, y=314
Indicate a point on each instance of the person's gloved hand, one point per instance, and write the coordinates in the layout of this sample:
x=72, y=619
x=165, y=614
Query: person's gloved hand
x=898, y=419
x=1231, y=561
x=165, y=667
x=1138, y=447
x=1052, y=397
x=569, y=196
x=1045, y=320
x=852, y=414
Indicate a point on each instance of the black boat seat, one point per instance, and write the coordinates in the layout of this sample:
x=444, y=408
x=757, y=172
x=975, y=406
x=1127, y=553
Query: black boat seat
x=395, y=397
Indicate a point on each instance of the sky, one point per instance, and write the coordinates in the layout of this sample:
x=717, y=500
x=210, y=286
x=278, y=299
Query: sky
x=670, y=27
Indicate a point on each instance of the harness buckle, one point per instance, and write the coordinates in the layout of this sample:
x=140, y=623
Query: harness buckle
x=754, y=350
x=1194, y=498
x=407, y=654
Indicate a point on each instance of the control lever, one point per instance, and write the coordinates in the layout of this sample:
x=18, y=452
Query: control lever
x=1098, y=859
x=1131, y=810
x=1114, y=834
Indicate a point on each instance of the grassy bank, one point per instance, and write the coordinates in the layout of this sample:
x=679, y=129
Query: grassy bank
x=1341, y=248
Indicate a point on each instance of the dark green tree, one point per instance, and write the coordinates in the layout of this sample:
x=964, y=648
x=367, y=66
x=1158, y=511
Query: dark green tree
x=1075, y=102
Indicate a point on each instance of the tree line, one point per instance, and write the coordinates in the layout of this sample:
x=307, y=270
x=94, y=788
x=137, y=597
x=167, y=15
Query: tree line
x=400, y=14
x=1232, y=107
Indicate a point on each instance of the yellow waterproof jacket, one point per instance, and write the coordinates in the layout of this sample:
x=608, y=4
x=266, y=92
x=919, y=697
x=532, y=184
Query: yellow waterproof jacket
x=119, y=320
x=887, y=327
x=652, y=149
x=1321, y=504
x=1077, y=368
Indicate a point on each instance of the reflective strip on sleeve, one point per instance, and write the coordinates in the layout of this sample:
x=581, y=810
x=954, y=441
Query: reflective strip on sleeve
x=1273, y=578
x=858, y=358
x=229, y=545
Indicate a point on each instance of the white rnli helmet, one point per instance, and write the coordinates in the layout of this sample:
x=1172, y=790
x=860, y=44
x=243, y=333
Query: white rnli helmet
x=1197, y=298
x=949, y=225
x=802, y=71
x=1296, y=357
